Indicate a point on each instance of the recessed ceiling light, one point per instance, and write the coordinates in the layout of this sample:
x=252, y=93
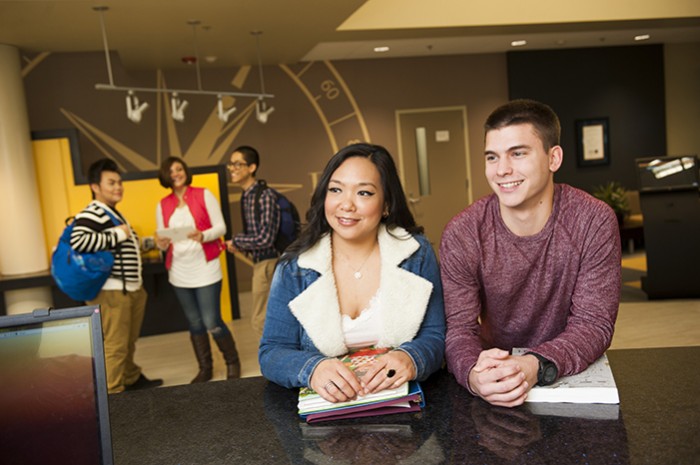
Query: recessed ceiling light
x=642, y=37
x=381, y=49
x=518, y=43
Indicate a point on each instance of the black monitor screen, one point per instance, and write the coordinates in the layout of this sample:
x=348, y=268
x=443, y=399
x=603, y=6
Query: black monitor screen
x=668, y=173
x=49, y=410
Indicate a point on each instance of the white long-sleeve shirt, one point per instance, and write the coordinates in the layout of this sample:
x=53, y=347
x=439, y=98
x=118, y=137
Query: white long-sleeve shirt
x=190, y=267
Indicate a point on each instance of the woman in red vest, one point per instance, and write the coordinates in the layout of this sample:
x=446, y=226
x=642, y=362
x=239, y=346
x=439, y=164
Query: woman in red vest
x=193, y=264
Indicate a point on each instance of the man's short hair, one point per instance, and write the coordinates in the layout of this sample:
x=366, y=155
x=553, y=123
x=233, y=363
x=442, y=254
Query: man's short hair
x=97, y=168
x=543, y=119
x=250, y=155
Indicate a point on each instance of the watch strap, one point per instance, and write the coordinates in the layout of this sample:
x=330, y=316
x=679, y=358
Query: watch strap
x=544, y=365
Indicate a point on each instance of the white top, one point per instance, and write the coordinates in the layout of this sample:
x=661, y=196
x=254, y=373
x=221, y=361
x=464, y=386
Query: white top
x=189, y=267
x=366, y=329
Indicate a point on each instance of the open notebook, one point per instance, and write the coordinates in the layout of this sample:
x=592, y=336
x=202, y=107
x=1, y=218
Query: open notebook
x=53, y=391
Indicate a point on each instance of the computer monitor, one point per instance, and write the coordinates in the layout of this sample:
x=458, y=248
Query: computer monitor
x=657, y=174
x=53, y=390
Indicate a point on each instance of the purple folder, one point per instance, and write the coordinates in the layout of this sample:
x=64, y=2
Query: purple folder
x=386, y=407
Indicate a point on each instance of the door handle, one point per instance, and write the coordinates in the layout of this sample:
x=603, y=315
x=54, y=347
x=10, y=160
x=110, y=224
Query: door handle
x=413, y=200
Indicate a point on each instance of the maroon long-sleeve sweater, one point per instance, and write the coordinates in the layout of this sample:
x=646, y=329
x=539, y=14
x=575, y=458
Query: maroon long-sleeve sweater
x=556, y=293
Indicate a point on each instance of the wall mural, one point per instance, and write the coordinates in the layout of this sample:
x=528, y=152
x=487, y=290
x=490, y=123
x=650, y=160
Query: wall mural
x=320, y=83
x=315, y=90
x=320, y=107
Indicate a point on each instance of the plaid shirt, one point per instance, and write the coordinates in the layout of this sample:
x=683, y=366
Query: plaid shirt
x=258, y=239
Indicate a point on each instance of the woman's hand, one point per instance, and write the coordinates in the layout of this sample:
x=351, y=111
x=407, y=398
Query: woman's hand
x=196, y=236
x=162, y=242
x=334, y=381
x=386, y=372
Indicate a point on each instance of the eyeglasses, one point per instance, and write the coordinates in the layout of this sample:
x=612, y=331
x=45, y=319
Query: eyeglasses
x=236, y=165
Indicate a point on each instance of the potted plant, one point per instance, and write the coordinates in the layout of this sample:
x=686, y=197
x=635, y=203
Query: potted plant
x=614, y=195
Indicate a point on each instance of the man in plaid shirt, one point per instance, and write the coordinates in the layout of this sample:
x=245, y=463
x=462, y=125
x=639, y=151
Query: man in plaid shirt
x=258, y=238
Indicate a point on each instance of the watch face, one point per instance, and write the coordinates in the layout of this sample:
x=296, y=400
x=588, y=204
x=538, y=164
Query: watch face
x=550, y=374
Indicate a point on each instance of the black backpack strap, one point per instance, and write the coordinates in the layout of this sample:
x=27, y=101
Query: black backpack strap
x=262, y=185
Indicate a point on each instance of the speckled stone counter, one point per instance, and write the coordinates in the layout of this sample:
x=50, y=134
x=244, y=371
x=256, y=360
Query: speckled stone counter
x=252, y=421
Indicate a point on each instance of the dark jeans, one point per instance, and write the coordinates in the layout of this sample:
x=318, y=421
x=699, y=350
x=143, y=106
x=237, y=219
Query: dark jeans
x=202, y=308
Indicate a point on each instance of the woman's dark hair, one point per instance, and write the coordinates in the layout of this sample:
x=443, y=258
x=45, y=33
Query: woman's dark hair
x=398, y=212
x=164, y=172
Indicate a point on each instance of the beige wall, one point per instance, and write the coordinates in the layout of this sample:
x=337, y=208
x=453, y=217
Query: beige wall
x=319, y=107
x=682, y=74
x=479, y=82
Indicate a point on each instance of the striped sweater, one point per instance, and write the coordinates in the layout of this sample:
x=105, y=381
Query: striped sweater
x=94, y=231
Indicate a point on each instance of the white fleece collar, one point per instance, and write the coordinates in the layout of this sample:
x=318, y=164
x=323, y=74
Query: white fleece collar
x=404, y=295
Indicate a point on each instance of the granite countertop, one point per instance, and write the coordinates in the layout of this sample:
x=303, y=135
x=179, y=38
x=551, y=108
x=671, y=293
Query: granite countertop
x=253, y=421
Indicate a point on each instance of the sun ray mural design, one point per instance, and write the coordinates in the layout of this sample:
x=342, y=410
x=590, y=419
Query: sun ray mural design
x=209, y=146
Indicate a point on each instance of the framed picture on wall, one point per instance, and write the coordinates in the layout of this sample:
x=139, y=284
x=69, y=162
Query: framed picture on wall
x=593, y=140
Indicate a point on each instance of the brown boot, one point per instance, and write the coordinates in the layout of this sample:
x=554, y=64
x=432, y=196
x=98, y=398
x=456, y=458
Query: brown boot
x=202, y=350
x=228, y=349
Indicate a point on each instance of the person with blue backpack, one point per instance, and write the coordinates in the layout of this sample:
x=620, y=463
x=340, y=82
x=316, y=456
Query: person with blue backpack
x=270, y=223
x=122, y=298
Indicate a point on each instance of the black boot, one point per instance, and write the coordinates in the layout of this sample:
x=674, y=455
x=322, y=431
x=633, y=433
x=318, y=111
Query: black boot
x=202, y=350
x=143, y=383
x=228, y=349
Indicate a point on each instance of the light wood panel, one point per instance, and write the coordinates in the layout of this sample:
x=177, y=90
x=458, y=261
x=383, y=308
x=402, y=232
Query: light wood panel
x=657, y=323
x=170, y=356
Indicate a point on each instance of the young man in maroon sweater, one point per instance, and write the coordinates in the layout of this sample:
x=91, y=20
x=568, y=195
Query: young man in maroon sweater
x=536, y=265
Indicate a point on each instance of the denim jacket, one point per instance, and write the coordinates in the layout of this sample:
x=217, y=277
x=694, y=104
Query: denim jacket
x=303, y=323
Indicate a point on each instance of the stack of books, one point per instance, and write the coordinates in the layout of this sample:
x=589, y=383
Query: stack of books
x=406, y=398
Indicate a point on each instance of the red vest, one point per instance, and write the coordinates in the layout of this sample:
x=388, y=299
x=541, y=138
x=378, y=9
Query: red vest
x=194, y=198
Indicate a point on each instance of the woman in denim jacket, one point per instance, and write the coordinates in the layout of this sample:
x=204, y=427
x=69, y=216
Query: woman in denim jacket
x=361, y=274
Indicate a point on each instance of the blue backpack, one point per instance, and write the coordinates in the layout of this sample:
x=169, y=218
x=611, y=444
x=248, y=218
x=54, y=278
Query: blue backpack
x=80, y=275
x=290, y=221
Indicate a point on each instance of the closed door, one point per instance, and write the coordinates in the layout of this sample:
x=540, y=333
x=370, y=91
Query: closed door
x=434, y=164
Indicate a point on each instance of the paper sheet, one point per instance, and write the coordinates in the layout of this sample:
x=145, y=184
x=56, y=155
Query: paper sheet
x=175, y=234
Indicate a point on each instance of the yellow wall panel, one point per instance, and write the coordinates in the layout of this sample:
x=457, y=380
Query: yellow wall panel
x=48, y=160
x=61, y=198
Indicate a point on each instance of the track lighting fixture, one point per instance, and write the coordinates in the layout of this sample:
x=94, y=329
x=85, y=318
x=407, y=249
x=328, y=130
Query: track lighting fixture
x=134, y=109
x=178, y=107
x=223, y=113
x=262, y=111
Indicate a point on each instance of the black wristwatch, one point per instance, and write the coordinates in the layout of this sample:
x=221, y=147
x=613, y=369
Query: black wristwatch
x=547, y=372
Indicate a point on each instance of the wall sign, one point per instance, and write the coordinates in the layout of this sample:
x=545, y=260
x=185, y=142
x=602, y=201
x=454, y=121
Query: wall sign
x=593, y=139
